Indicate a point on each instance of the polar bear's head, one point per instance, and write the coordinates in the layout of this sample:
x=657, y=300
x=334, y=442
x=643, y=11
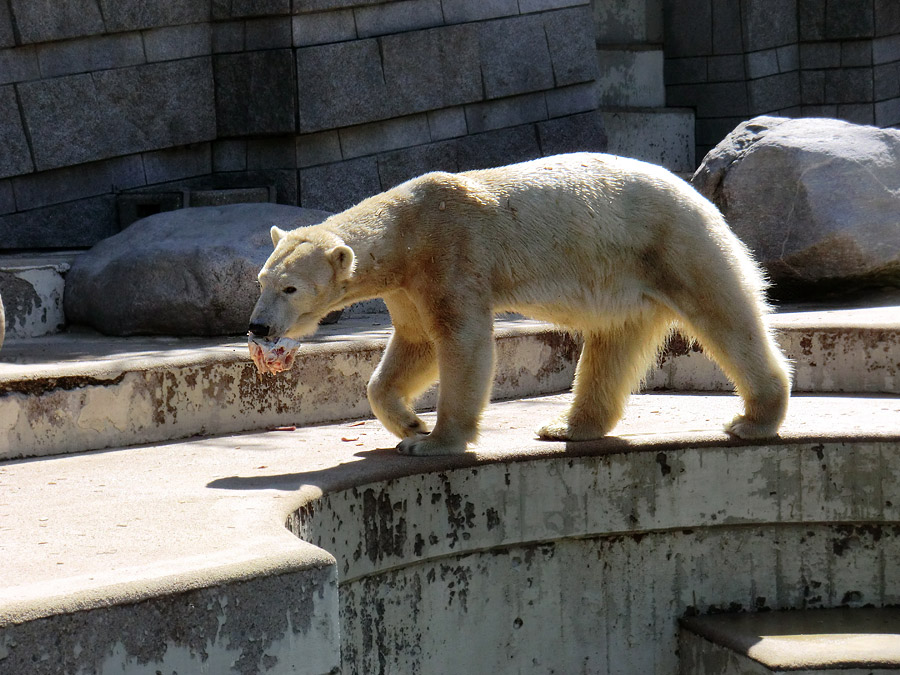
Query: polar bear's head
x=303, y=280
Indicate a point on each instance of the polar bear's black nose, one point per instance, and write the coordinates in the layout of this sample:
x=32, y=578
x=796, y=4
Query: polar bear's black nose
x=259, y=329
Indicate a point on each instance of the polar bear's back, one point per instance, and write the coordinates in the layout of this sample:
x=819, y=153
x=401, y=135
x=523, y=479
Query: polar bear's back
x=601, y=229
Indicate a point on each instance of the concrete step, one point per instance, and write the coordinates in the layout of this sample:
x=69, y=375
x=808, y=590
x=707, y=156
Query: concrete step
x=82, y=391
x=177, y=556
x=822, y=641
x=663, y=136
x=31, y=286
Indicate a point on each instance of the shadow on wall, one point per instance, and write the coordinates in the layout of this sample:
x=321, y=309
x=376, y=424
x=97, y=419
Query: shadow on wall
x=2, y=322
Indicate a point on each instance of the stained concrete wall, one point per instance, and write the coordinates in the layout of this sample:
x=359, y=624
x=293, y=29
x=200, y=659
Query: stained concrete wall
x=584, y=564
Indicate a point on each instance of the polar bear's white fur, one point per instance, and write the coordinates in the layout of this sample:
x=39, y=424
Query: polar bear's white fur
x=614, y=248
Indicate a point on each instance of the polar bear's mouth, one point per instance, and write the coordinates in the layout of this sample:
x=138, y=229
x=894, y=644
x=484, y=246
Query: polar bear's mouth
x=272, y=356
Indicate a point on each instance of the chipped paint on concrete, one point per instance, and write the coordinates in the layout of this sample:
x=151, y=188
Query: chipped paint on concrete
x=33, y=298
x=278, y=624
x=584, y=564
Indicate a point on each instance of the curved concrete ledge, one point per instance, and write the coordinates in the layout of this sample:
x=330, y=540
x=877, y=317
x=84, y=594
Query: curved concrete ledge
x=69, y=393
x=541, y=555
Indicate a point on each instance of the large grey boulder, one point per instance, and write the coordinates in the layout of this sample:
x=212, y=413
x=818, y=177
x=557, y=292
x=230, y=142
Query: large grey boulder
x=185, y=272
x=817, y=200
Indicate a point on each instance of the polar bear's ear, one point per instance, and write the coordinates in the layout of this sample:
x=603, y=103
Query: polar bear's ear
x=343, y=260
x=277, y=235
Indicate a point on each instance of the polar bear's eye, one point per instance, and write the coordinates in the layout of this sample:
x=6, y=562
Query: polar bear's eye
x=290, y=289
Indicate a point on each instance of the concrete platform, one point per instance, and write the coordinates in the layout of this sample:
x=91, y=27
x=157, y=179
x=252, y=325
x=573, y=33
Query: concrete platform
x=81, y=391
x=825, y=642
x=177, y=556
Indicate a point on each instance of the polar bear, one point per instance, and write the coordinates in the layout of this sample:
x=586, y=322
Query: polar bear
x=616, y=249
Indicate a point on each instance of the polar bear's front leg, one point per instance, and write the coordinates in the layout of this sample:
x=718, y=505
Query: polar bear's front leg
x=466, y=365
x=407, y=368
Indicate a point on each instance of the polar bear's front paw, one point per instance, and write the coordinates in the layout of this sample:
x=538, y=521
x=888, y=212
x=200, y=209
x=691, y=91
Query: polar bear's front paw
x=426, y=446
x=561, y=429
x=742, y=427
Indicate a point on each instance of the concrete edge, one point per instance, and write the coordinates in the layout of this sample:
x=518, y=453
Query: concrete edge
x=279, y=556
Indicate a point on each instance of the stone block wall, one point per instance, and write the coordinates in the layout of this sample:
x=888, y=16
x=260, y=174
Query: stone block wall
x=327, y=100
x=733, y=59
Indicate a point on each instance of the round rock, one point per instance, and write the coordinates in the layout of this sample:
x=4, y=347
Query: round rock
x=817, y=200
x=185, y=272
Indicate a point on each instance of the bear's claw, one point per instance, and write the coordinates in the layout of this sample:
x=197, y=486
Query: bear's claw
x=425, y=446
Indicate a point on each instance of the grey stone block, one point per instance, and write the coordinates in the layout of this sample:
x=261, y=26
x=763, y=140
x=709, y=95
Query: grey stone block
x=769, y=23
x=498, y=148
x=255, y=92
x=849, y=85
x=844, y=20
x=505, y=112
x=89, y=54
x=79, y=182
x=818, y=111
x=664, y=137
x=227, y=37
x=515, y=58
x=777, y=92
x=575, y=133
x=464, y=11
x=887, y=113
x=397, y=17
x=375, y=137
x=239, y=9
x=323, y=27
x=16, y=156
x=7, y=198
x=164, y=166
x=857, y=113
x=72, y=225
x=692, y=69
x=716, y=99
x=529, y=6
x=621, y=22
x=570, y=36
x=127, y=15
x=856, y=53
x=886, y=81
x=178, y=42
x=631, y=78
x=762, y=64
x=7, y=36
x=688, y=27
x=726, y=27
x=886, y=49
x=401, y=165
x=447, y=123
x=430, y=69
x=788, y=58
x=335, y=187
x=229, y=155
x=577, y=98
x=271, y=153
x=812, y=87
x=811, y=19
x=82, y=118
x=19, y=64
x=48, y=20
x=341, y=84
x=887, y=17
x=728, y=68
x=268, y=33
x=319, y=148
x=820, y=55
